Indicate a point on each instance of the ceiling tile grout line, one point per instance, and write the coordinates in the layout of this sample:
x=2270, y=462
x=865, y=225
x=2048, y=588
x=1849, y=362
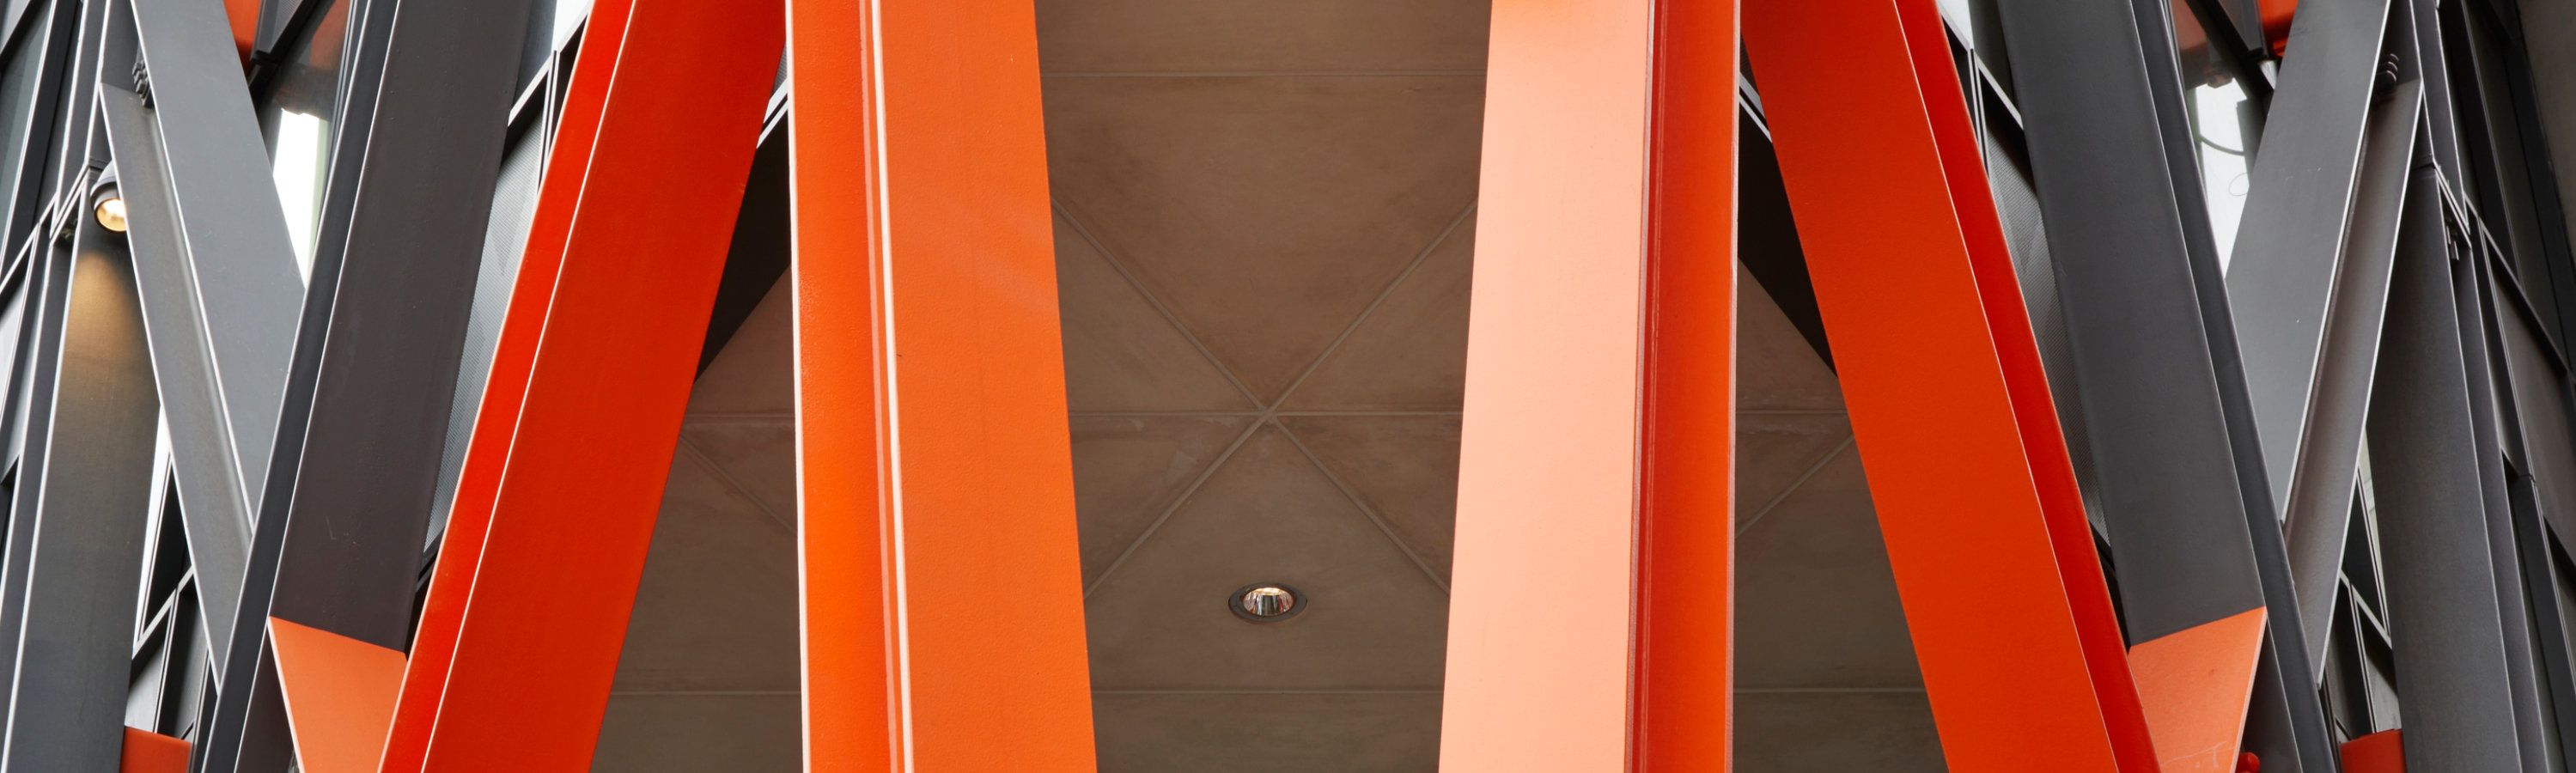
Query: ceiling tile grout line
x=730, y=416
x=1365, y=509
x=1794, y=485
x=1273, y=74
x=1369, y=413
x=1270, y=410
x=722, y=474
x=1186, y=492
x=1161, y=414
x=1827, y=690
x=1374, y=303
x=1416, y=691
x=1791, y=412
x=1152, y=300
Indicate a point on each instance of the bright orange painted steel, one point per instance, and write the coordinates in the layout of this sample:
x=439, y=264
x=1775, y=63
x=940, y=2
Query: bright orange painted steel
x=339, y=696
x=2194, y=685
x=2380, y=752
x=243, y=17
x=2034, y=412
x=514, y=357
x=153, y=753
x=1686, y=650
x=1591, y=616
x=512, y=666
x=1965, y=464
x=943, y=606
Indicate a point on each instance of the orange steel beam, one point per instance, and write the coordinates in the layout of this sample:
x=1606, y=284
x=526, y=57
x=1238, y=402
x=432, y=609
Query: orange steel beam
x=513, y=359
x=520, y=636
x=943, y=606
x=340, y=696
x=147, y=752
x=1591, y=613
x=2003, y=592
x=1686, y=593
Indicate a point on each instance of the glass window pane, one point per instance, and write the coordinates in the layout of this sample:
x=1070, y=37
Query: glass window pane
x=302, y=109
x=2225, y=125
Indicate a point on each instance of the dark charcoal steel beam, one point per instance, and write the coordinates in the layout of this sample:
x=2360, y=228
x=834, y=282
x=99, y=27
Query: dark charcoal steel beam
x=349, y=494
x=2185, y=497
x=2168, y=481
x=92, y=505
x=241, y=264
x=2458, y=709
x=2319, y=510
x=50, y=40
x=2518, y=375
x=2282, y=281
x=211, y=499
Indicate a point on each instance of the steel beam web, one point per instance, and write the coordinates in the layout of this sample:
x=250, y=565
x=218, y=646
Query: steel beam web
x=515, y=655
x=2012, y=624
x=928, y=357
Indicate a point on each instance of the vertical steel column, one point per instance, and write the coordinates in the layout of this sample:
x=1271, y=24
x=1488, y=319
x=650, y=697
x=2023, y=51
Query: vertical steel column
x=513, y=662
x=1994, y=561
x=934, y=462
x=1685, y=694
x=1591, y=615
x=91, y=507
x=2444, y=620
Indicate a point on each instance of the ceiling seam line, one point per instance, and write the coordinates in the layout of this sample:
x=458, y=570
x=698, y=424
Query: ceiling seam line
x=1365, y=510
x=1795, y=485
x=1168, y=510
x=726, y=476
x=1152, y=300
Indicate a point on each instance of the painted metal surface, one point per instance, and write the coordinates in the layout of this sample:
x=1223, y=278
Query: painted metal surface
x=364, y=419
x=2380, y=752
x=340, y=695
x=146, y=752
x=934, y=461
x=2183, y=500
x=520, y=642
x=222, y=307
x=92, y=505
x=2443, y=617
x=2168, y=479
x=1976, y=499
x=2194, y=685
x=210, y=497
x=1684, y=682
x=2320, y=506
x=496, y=421
x=2282, y=281
x=1538, y=670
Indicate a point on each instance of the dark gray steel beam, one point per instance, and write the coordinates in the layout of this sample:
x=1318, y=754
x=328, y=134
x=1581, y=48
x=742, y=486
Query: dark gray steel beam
x=92, y=504
x=51, y=39
x=2458, y=707
x=2518, y=377
x=219, y=280
x=2513, y=613
x=2184, y=493
x=2168, y=486
x=210, y=497
x=241, y=263
x=2281, y=283
x=349, y=494
x=2319, y=510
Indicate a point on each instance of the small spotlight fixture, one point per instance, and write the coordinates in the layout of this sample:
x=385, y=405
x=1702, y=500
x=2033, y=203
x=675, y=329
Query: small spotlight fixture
x=111, y=212
x=1266, y=602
